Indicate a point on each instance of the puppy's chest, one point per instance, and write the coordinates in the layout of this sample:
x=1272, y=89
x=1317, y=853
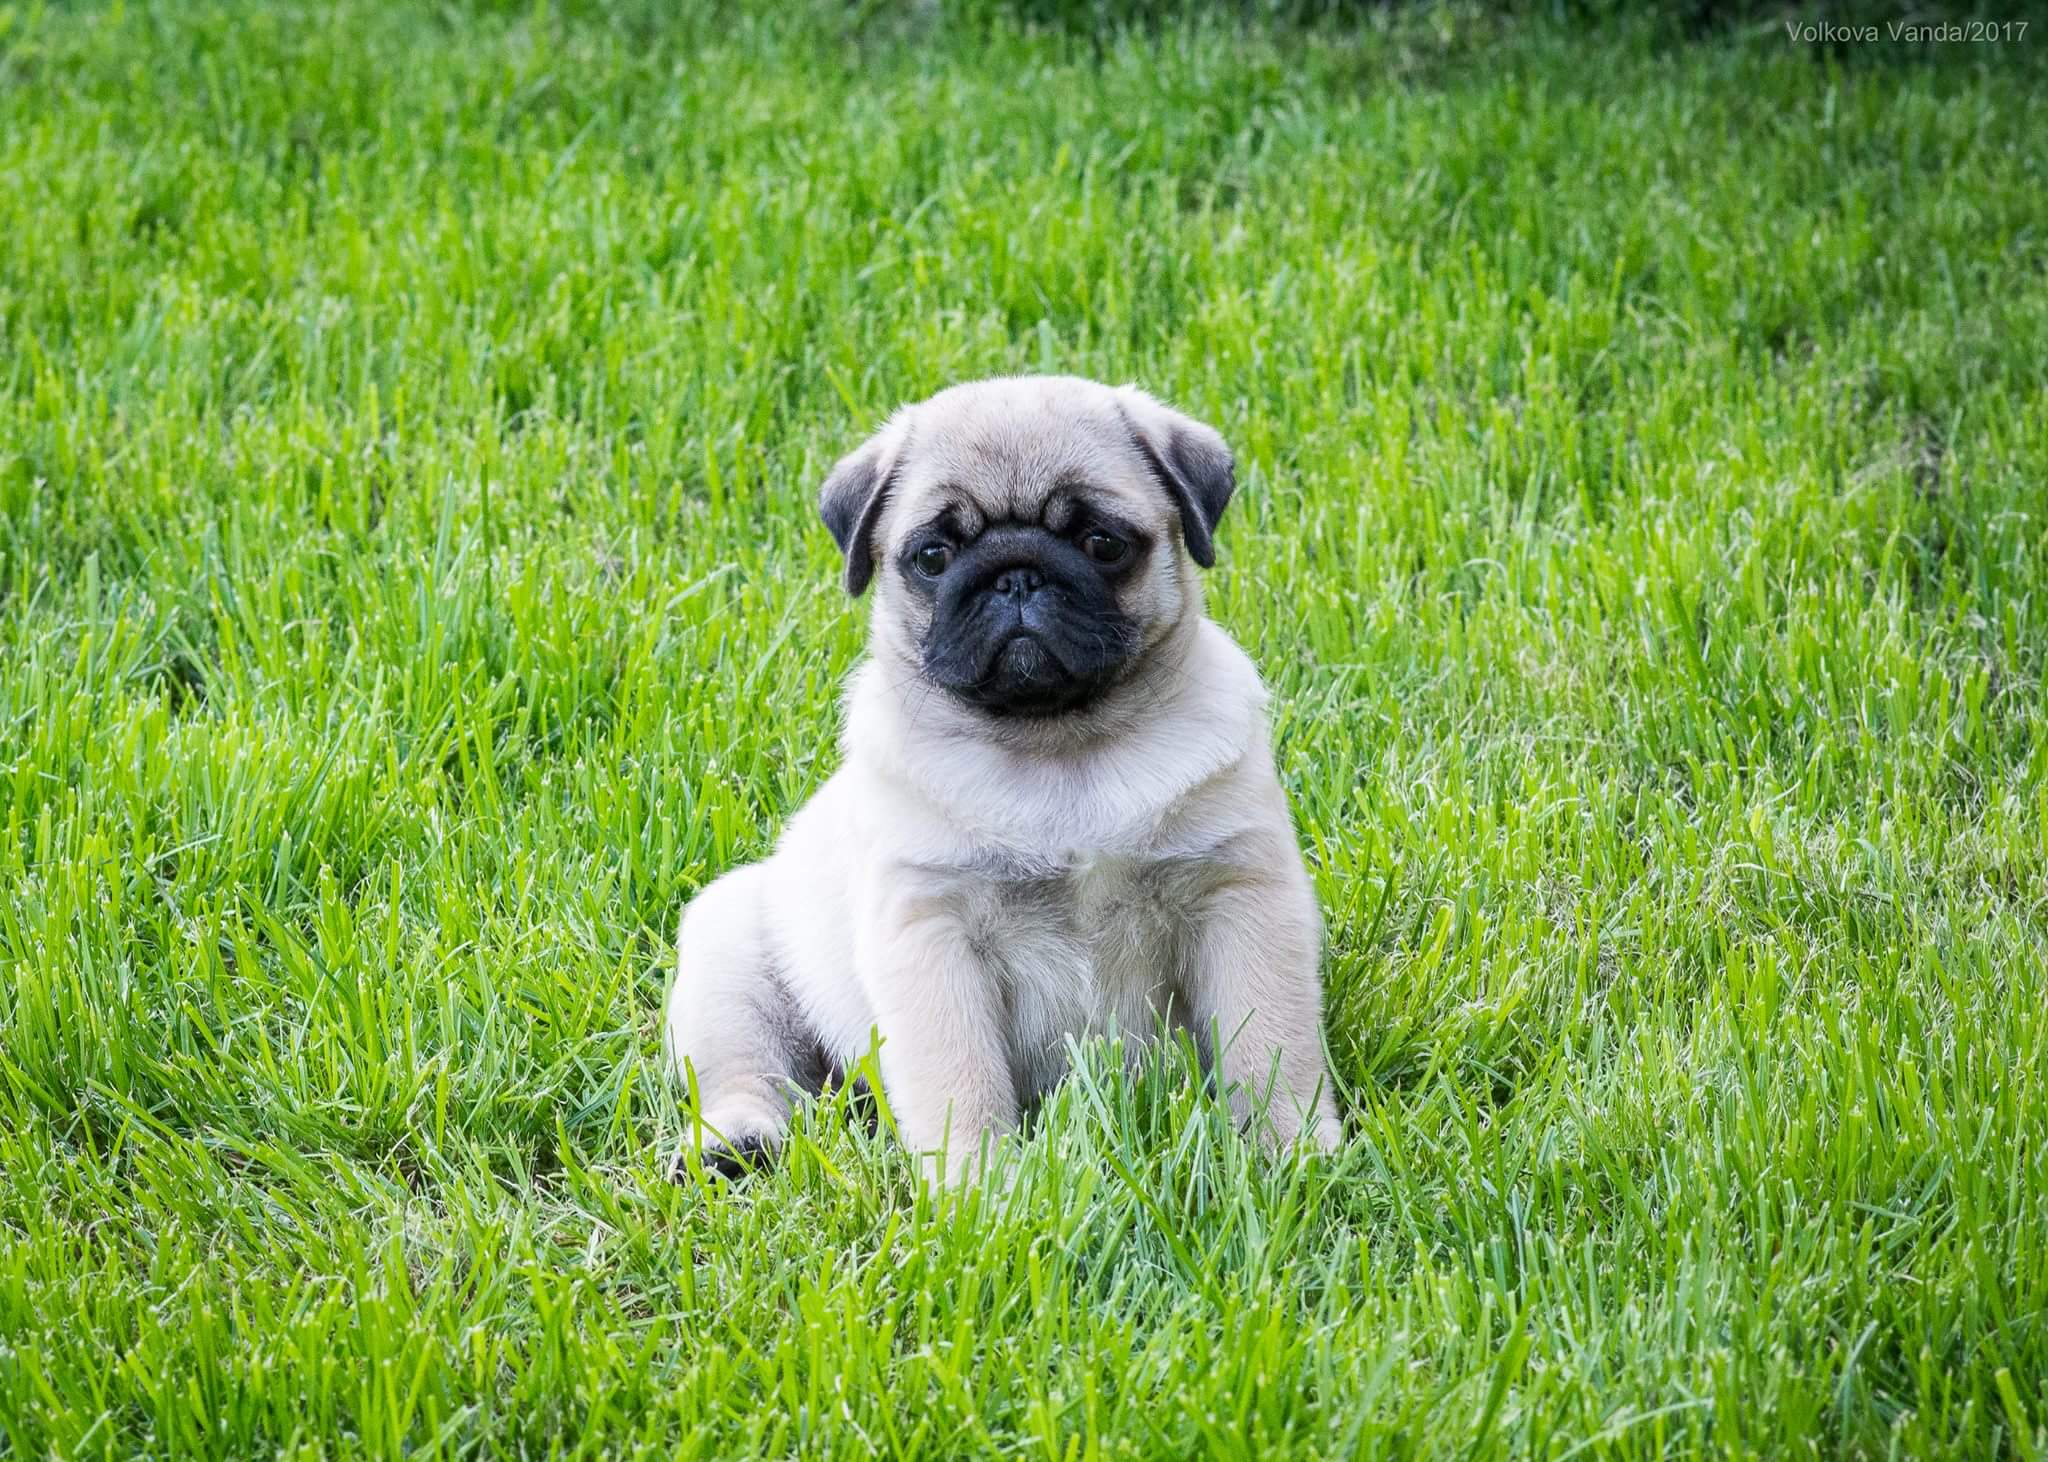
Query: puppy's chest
x=1095, y=943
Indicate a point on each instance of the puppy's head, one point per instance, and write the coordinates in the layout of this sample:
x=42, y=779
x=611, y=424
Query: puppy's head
x=1029, y=538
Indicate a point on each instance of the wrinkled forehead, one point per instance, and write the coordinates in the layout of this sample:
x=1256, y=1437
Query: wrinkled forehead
x=1023, y=458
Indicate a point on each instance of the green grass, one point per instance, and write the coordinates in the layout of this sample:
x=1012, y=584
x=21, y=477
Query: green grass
x=410, y=594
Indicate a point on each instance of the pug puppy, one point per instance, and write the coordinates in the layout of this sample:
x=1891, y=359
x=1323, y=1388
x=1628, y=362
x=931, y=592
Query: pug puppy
x=1057, y=813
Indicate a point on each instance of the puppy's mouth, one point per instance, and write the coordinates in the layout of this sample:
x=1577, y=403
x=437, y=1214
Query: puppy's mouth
x=1026, y=677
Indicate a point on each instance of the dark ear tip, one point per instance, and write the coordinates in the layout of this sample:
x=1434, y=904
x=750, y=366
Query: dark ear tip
x=838, y=520
x=851, y=501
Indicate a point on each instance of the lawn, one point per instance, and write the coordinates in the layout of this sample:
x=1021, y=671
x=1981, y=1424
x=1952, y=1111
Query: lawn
x=410, y=593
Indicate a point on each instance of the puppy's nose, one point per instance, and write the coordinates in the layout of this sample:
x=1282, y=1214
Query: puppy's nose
x=1018, y=583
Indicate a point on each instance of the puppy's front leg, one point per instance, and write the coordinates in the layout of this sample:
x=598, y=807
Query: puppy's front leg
x=945, y=1067
x=1256, y=998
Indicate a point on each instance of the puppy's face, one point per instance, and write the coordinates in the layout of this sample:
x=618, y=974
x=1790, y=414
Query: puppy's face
x=1030, y=538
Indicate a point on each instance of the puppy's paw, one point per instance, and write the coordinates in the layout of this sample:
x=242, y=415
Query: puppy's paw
x=1300, y=1135
x=728, y=1161
x=988, y=1166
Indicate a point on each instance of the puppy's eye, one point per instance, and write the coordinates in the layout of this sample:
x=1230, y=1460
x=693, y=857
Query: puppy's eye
x=931, y=560
x=1104, y=547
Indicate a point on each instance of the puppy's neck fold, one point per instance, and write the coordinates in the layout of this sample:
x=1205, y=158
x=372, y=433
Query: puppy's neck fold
x=1094, y=778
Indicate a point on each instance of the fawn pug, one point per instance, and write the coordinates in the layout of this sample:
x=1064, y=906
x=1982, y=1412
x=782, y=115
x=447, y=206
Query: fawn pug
x=1057, y=812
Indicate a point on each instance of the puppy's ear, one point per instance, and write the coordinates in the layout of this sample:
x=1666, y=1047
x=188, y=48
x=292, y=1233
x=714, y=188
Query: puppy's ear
x=1190, y=460
x=853, y=496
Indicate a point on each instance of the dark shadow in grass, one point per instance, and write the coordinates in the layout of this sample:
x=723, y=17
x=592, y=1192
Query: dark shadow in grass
x=182, y=677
